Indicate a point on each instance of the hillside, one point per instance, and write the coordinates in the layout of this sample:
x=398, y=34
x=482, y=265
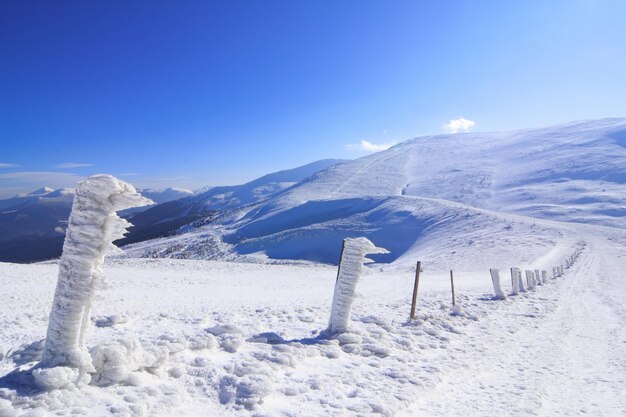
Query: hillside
x=166, y=219
x=433, y=195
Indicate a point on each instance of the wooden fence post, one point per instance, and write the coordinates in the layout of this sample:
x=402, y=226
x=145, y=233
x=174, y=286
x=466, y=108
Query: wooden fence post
x=343, y=246
x=452, y=285
x=417, y=281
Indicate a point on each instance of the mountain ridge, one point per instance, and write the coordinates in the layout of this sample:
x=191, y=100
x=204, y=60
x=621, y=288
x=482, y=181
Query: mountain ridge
x=573, y=172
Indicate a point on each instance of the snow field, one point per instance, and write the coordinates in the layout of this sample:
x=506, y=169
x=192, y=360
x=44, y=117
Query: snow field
x=243, y=339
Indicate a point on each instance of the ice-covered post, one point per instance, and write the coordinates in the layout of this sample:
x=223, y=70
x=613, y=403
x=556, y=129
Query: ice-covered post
x=529, y=279
x=350, y=268
x=544, y=276
x=497, y=289
x=520, y=281
x=93, y=226
x=538, y=277
x=514, y=281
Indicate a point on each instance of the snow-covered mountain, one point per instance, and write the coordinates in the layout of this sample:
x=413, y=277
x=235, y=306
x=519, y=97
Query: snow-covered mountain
x=165, y=195
x=159, y=196
x=425, y=194
x=165, y=219
x=32, y=226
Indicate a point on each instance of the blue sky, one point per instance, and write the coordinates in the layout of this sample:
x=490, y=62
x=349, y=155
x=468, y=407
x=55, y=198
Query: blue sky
x=194, y=93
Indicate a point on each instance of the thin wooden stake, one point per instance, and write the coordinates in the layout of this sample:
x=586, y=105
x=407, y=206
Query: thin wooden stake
x=452, y=285
x=343, y=246
x=417, y=282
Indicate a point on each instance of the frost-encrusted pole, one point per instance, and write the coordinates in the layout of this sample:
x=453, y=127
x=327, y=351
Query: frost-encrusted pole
x=497, y=289
x=520, y=281
x=514, y=281
x=529, y=279
x=350, y=268
x=93, y=226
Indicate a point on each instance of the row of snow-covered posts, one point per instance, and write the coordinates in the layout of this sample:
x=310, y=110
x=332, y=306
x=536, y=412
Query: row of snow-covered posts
x=533, y=278
x=93, y=226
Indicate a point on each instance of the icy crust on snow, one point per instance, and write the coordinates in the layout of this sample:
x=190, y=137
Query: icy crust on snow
x=92, y=227
x=350, y=269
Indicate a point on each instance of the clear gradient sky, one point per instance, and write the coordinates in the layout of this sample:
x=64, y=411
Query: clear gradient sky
x=195, y=93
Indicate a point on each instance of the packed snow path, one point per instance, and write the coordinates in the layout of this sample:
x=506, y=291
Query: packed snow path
x=243, y=340
x=562, y=355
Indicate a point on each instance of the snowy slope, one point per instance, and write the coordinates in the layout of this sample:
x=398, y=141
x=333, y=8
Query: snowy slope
x=433, y=196
x=164, y=195
x=165, y=219
x=244, y=340
x=571, y=172
x=159, y=196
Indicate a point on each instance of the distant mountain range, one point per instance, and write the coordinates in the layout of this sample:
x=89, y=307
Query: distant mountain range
x=32, y=226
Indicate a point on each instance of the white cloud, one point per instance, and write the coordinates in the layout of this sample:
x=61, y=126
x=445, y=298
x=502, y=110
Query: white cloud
x=367, y=146
x=460, y=124
x=5, y=165
x=69, y=165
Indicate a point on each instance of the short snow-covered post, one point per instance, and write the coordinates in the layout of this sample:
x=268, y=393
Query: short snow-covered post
x=514, y=281
x=497, y=289
x=350, y=268
x=538, y=277
x=520, y=281
x=93, y=226
x=529, y=279
x=544, y=276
